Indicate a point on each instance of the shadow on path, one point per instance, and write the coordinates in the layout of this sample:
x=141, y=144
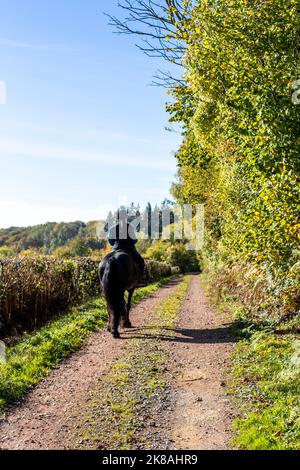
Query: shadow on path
x=183, y=335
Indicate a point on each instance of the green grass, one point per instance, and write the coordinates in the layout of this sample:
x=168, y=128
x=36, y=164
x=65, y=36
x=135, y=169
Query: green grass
x=265, y=379
x=36, y=354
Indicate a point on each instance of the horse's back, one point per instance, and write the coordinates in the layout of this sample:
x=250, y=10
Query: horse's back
x=116, y=267
x=118, y=274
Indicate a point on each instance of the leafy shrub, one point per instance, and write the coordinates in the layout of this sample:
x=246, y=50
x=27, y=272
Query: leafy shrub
x=174, y=254
x=6, y=251
x=79, y=246
x=263, y=294
x=157, y=270
x=241, y=141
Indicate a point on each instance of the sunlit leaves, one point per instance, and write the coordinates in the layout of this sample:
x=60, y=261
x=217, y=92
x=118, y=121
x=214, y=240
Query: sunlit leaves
x=241, y=125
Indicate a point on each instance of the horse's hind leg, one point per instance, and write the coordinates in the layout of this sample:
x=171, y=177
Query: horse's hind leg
x=130, y=294
x=117, y=313
x=126, y=320
x=109, y=322
x=115, y=324
x=115, y=320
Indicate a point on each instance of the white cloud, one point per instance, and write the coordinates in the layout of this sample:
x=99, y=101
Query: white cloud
x=94, y=134
x=10, y=147
x=23, y=214
x=38, y=47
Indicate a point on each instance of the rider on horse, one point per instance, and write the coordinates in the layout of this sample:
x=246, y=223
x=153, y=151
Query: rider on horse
x=122, y=238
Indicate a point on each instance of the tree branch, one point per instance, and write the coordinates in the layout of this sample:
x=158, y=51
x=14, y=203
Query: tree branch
x=160, y=24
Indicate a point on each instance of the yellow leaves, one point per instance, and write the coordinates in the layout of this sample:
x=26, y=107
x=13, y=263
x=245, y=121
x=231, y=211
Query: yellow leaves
x=232, y=73
x=268, y=222
x=295, y=228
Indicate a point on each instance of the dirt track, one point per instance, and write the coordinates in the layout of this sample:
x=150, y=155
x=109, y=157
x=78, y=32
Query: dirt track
x=199, y=414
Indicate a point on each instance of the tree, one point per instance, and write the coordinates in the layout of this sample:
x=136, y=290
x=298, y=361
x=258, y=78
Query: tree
x=162, y=27
x=78, y=247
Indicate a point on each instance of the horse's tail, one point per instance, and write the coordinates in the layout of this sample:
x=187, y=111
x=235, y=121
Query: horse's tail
x=109, y=275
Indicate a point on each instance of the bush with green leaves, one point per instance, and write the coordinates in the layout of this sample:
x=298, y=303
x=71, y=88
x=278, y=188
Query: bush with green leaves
x=6, y=251
x=175, y=254
x=241, y=136
x=79, y=246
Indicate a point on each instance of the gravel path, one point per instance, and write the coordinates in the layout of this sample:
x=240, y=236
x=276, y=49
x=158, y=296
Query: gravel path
x=199, y=414
x=43, y=418
x=202, y=411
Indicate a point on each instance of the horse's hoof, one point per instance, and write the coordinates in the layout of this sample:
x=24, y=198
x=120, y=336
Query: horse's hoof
x=108, y=328
x=128, y=325
x=116, y=335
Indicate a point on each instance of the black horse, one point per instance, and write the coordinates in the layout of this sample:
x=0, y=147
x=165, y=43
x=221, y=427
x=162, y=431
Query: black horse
x=119, y=272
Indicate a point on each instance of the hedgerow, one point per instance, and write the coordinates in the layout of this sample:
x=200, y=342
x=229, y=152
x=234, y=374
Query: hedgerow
x=34, y=289
x=241, y=146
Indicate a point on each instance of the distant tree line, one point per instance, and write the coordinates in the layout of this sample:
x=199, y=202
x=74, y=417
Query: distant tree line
x=46, y=238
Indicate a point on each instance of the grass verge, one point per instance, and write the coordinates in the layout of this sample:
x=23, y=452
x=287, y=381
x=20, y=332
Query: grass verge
x=36, y=354
x=134, y=391
x=265, y=379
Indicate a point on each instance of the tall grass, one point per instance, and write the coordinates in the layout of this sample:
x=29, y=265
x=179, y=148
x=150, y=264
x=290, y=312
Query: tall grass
x=34, y=289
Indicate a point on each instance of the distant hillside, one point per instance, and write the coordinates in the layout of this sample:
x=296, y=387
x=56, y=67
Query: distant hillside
x=47, y=237
x=74, y=239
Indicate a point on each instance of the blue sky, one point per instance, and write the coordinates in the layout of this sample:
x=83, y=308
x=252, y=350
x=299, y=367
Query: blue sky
x=81, y=131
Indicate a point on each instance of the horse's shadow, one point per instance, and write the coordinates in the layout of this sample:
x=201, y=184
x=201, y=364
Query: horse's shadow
x=184, y=335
